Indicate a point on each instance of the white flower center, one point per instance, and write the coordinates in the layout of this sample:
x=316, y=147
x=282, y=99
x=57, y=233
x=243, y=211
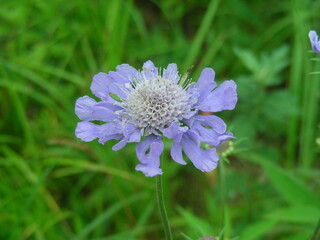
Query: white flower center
x=156, y=103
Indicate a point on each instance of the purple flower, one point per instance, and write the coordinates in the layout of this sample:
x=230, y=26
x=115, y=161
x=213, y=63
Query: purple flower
x=145, y=106
x=315, y=44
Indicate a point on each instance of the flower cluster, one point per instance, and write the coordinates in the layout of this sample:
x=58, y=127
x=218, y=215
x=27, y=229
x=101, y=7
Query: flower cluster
x=145, y=106
x=315, y=44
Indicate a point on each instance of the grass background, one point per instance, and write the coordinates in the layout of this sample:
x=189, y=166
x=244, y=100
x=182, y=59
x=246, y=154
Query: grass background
x=53, y=186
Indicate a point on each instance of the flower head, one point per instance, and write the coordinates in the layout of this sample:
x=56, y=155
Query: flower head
x=145, y=106
x=315, y=44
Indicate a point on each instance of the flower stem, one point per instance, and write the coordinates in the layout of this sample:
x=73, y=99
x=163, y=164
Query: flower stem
x=162, y=208
x=224, y=198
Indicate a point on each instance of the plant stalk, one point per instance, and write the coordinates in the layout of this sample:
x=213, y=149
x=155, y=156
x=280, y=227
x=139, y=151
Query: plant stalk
x=162, y=208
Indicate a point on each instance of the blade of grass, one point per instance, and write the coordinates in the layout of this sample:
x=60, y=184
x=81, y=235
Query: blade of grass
x=118, y=22
x=85, y=166
x=107, y=214
x=201, y=33
x=298, y=71
x=310, y=109
x=256, y=230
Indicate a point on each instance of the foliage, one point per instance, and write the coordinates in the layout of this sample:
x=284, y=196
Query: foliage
x=52, y=186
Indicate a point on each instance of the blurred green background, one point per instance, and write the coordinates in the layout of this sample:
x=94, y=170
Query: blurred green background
x=53, y=186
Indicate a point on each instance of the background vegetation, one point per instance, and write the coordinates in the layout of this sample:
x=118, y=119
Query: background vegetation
x=53, y=186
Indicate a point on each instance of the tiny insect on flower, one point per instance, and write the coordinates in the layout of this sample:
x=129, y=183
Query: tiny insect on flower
x=315, y=44
x=145, y=106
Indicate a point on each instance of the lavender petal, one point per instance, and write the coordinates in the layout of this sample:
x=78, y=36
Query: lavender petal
x=150, y=162
x=206, y=83
x=222, y=98
x=84, y=108
x=315, y=44
x=87, y=131
x=176, y=153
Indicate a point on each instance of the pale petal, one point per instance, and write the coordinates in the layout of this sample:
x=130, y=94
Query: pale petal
x=206, y=83
x=87, y=131
x=84, y=108
x=176, y=153
x=222, y=98
x=150, y=162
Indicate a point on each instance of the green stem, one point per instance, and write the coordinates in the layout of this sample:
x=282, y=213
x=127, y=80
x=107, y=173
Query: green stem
x=224, y=198
x=162, y=208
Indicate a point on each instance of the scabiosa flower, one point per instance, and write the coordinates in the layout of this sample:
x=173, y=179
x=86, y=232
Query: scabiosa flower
x=315, y=44
x=145, y=106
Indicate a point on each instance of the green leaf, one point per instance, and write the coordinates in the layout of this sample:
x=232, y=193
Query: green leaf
x=248, y=59
x=256, y=230
x=288, y=186
x=298, y=236
x=186, y=236
x=279, y=105
x=107, y=215
x=297, y=214
x=266, y=68
x=200, y=227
